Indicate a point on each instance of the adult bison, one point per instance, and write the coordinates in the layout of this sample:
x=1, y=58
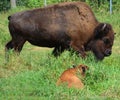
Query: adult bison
x=62, y=26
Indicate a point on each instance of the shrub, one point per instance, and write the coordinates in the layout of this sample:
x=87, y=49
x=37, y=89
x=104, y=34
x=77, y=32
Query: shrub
x=4, y=5
x=35, y=3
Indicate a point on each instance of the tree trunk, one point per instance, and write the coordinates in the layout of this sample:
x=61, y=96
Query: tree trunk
x=13, y=3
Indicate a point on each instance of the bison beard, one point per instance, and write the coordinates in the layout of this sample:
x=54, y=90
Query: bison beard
x=62, y=26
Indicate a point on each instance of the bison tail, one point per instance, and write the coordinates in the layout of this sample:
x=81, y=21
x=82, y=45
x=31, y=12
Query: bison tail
x=9, y=17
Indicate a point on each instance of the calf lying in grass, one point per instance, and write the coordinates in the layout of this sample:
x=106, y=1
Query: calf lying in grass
x=72, y=76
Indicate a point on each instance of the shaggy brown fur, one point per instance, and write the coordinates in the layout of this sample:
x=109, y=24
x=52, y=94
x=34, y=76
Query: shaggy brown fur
x=72, y=76
x=62, y=26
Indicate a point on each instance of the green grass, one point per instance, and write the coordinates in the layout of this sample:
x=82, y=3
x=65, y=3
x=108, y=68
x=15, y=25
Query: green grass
x=33, y=74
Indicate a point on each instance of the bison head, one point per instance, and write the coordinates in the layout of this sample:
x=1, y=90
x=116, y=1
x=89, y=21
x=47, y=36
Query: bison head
x=101, y=44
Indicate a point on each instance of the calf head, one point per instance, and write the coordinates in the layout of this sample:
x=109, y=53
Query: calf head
x=102, y=42
x=82, y=68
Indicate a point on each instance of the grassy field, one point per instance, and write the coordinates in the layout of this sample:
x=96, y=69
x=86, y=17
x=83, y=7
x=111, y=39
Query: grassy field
x=33, y=74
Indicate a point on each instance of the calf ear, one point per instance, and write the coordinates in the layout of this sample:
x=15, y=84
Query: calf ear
x=73, y=66
x=83, y=69
x=101, y=30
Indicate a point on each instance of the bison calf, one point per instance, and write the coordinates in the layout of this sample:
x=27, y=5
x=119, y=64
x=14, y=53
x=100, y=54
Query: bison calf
x=62, y=26
x=72, y=76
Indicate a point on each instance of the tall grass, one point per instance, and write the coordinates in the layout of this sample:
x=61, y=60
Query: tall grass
x=33, y=74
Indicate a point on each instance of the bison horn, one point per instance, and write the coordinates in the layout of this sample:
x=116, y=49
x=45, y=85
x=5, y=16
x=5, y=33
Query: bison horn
x=104, y=26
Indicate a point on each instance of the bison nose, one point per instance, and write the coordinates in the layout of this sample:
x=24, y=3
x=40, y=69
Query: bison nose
x=108, y=52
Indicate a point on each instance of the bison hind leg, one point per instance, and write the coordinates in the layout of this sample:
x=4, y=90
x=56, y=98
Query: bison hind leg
x=15, y=44
x=8, y=46
x=19, y=45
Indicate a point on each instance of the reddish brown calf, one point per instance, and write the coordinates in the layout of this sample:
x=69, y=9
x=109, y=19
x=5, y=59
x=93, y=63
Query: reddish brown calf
x=72, y=77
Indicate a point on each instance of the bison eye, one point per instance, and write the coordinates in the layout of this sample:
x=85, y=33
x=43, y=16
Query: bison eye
x=106, y=40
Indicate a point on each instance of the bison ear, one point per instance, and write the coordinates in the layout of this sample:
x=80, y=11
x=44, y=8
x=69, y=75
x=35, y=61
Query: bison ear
x=101, y=30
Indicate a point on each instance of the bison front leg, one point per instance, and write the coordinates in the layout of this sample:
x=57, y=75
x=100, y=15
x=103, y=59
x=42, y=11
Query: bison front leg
x=58, y=50
x=79, y=49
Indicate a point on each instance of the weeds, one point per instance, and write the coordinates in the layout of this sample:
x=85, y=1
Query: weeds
x=33, y=74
